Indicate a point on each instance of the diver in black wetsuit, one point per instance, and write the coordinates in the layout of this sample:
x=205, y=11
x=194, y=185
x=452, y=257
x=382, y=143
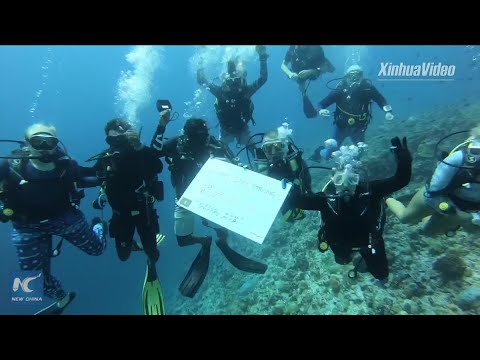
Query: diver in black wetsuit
x=304, y=63
x=39, y=191
x=129, y=171
x=353, y=211
x=352, y=99
x=233, y=104
x=186, y=154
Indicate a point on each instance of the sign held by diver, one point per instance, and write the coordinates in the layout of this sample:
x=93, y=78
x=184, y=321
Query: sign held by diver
x=236, y=198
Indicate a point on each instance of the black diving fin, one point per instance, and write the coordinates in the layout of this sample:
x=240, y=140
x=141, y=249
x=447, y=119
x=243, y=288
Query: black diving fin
x=198, y=270
x=240, y=261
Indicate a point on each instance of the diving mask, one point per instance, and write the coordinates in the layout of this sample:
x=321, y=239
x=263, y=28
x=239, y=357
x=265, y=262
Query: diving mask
x=117, y=141
x=234, y=82
x=43, y=141
x=473, y=151
x=275, y=150
x=354, y=77
x=117, y=137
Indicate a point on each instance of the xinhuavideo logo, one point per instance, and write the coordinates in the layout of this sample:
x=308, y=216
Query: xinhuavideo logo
x=27, y=287
x=427, y=71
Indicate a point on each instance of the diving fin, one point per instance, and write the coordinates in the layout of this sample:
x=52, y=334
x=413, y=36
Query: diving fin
x=198, y=270
x=57, y=307
x=308, y=108
x=240, y=261
x=152, y=293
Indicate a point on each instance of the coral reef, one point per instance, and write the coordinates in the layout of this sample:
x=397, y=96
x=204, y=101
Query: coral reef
x=451, y=267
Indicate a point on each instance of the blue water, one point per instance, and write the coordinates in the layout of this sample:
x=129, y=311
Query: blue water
x=78, y=88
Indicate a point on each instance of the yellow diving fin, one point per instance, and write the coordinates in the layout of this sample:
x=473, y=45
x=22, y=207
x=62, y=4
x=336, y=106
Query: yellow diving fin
x=152, y=294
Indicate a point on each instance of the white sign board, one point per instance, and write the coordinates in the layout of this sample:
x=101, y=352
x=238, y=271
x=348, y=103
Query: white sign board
x=238, y=199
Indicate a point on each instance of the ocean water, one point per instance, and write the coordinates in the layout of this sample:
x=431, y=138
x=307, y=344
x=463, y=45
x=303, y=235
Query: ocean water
x=79, y=88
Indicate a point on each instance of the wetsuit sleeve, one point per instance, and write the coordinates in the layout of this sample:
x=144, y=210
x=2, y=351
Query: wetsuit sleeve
x=169, y=147
x=153, y=164
x=377, y=97
x=202, y=80
x=257, y=84
x=289, y=55
x=305, y=177
x=444, y=173
x=4, y=169
x=157, y=140
x=308, y=108
x=161, y=146
x=86, y=176
x=329, y=99
x=316, y=201
x=402, y=177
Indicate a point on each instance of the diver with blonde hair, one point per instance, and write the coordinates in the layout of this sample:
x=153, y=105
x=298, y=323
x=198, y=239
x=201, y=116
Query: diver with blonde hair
x=39, y=194
x=451, y=199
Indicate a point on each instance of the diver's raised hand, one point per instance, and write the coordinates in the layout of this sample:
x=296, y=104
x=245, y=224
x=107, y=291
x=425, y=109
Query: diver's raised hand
x=164, y=117
x=400, y=149
x=133, y=139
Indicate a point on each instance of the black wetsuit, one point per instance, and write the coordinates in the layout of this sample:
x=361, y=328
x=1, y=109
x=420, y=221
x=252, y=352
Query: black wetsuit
x=358, y=222
x=234, y=107
x=355, y=100
x=307, y=57
x=352, y=114
x=131, y=186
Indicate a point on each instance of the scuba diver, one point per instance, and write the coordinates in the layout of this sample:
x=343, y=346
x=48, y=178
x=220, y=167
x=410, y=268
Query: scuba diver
x=352, y=96
x=307, y=63
x=353, y=211
x=129, y=172
x=280, y=158
x=186, y=154
x=39, y=194
x=233, y=104
x=451, y=199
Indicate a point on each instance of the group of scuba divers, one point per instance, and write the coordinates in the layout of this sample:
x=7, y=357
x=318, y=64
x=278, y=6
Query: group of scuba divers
x=40, y=183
